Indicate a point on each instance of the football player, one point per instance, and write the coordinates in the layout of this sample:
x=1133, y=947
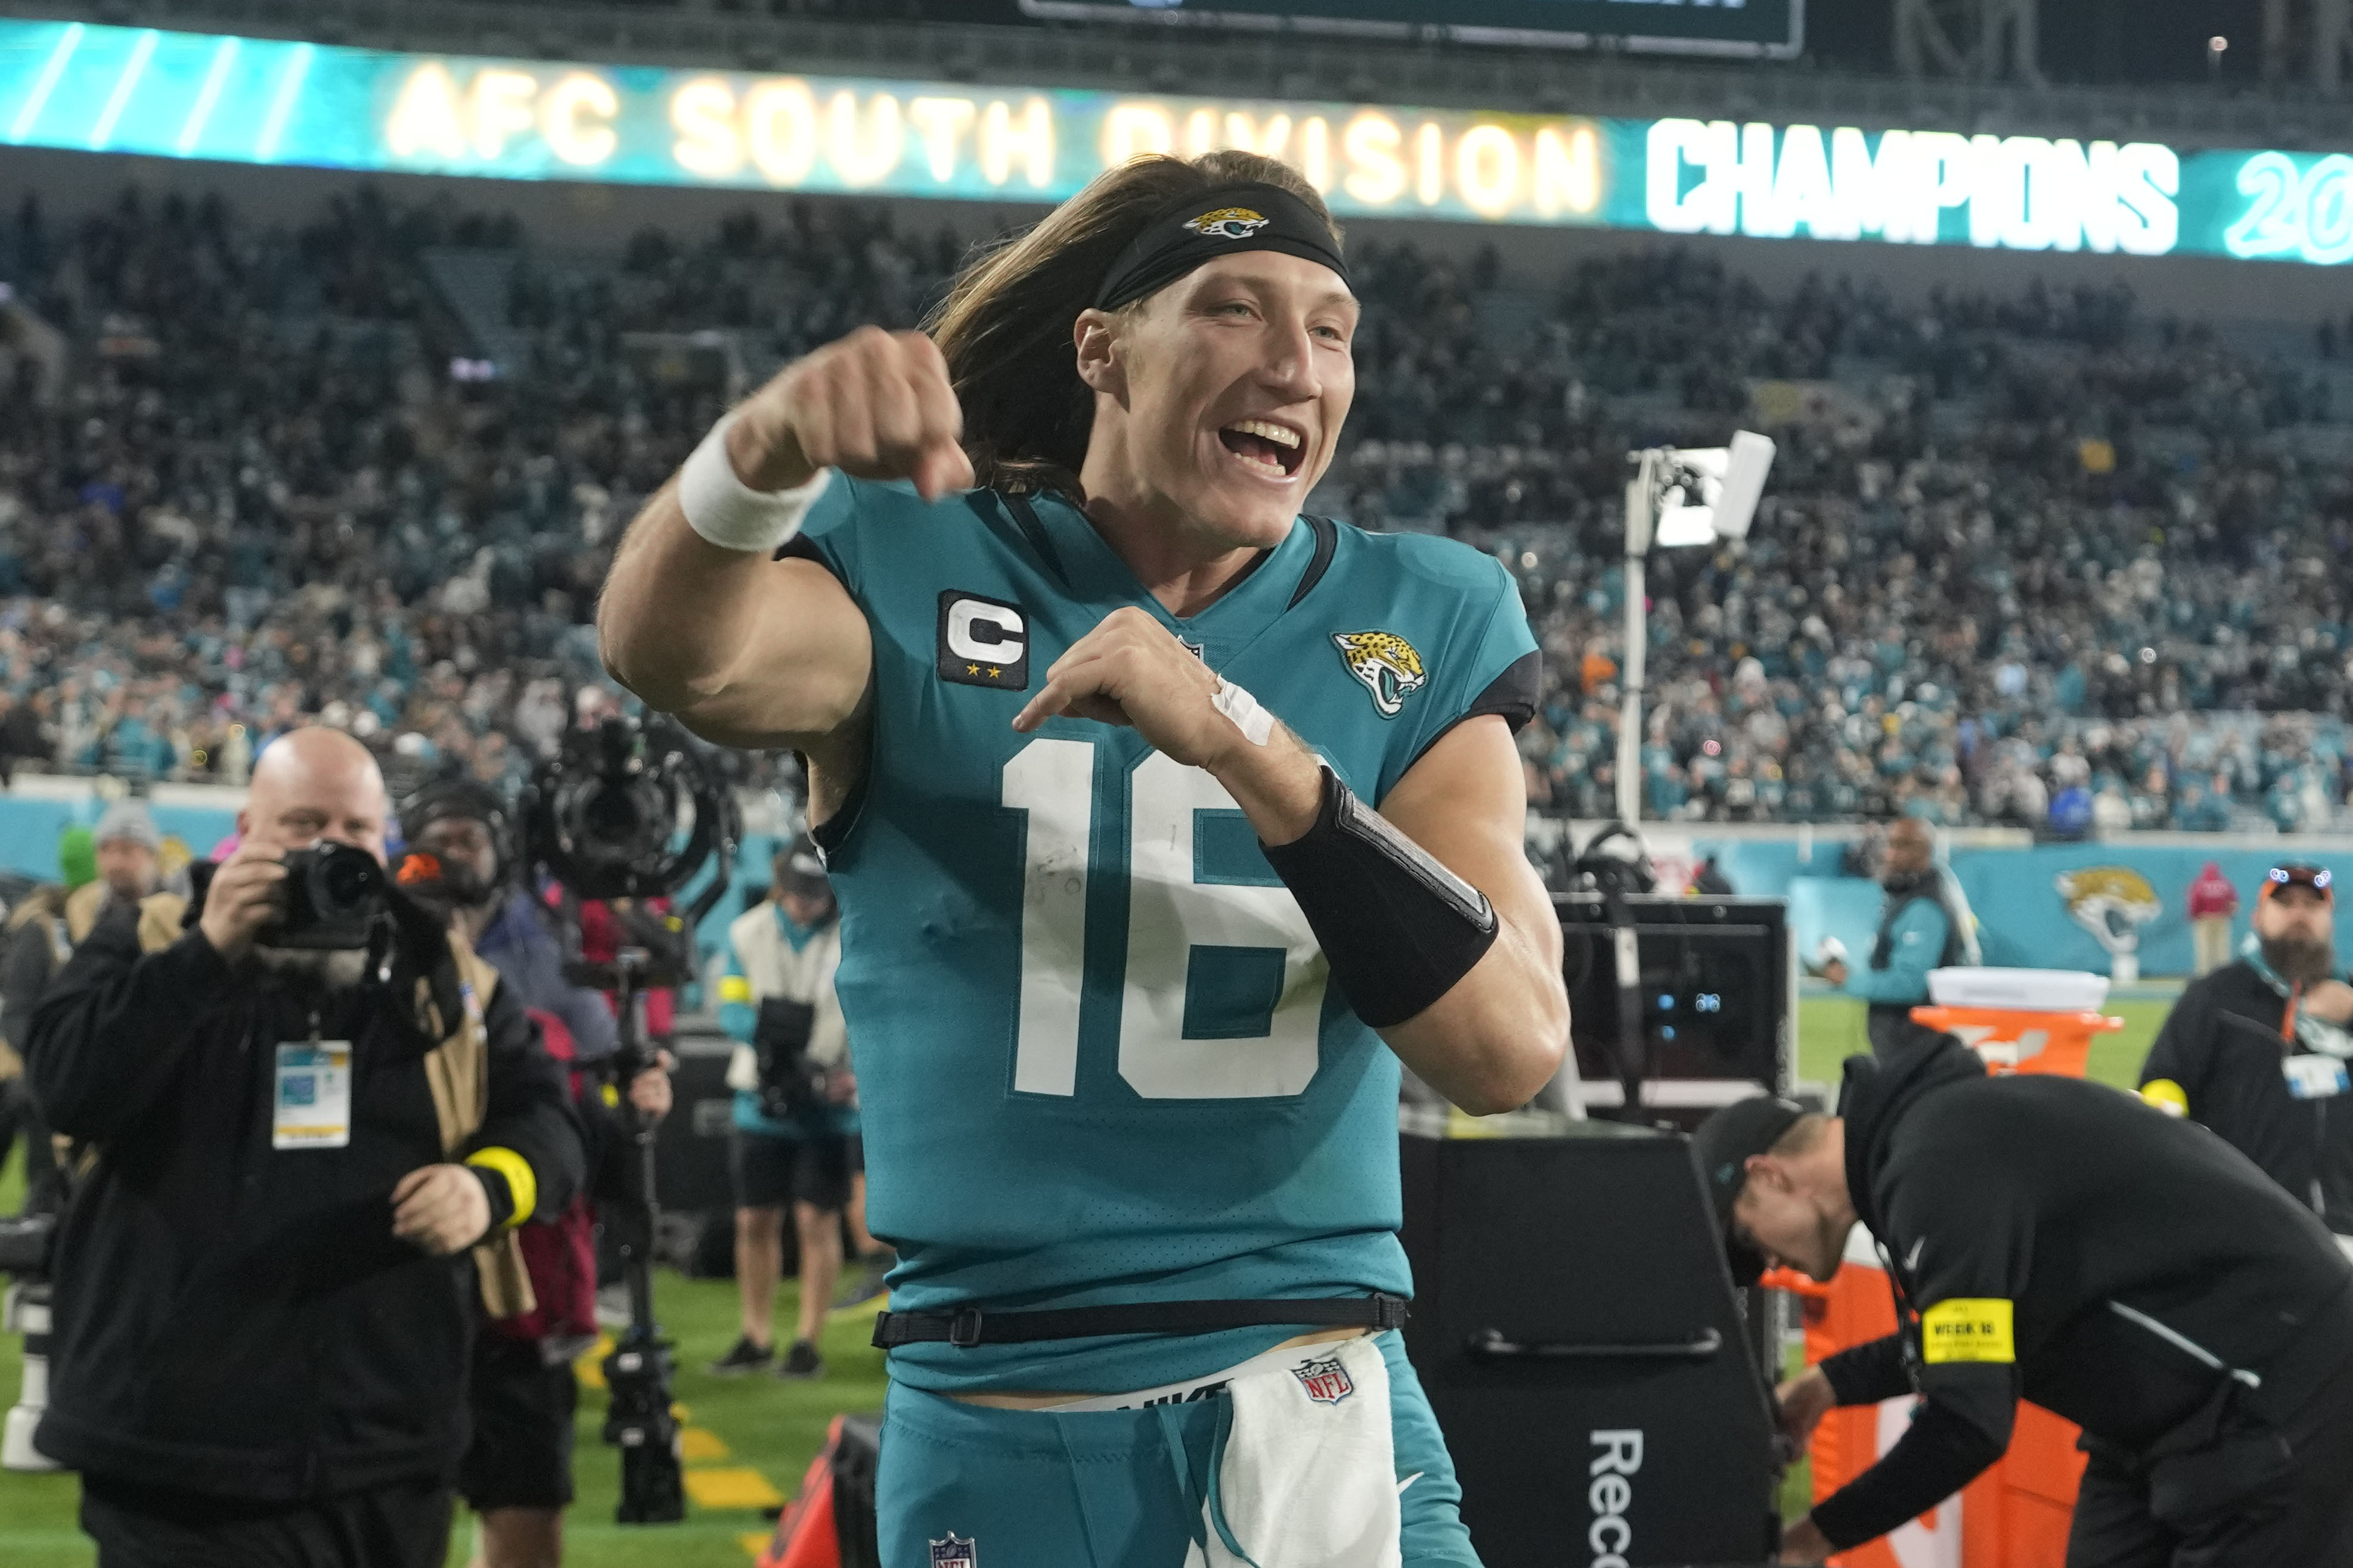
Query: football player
x=1165, y=821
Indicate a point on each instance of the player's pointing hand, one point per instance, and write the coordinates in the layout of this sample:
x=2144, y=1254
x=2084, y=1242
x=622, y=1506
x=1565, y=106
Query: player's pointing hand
x=875, y=405
x=1131, y=669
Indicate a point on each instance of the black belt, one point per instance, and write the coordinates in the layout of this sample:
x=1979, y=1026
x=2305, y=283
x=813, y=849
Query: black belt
x=969, y=1326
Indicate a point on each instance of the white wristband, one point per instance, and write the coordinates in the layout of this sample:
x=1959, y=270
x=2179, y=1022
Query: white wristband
x=731, y=513
x=1254, y=722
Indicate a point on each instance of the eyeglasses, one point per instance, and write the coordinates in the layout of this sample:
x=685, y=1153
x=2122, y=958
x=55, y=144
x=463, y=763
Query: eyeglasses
x=2316, y=878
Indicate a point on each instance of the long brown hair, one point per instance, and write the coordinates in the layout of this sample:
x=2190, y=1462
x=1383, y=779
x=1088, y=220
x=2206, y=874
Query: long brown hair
x=1005, y=326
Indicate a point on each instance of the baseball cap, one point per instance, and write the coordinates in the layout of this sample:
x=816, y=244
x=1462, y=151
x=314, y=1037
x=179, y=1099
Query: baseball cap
x=800, y=868
x=461, y=800
x=1722, y=1147
x=2299, y=874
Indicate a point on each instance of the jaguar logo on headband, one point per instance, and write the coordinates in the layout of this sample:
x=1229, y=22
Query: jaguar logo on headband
x=1228, y=222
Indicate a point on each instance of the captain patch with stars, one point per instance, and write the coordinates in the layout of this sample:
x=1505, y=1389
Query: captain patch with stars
x=983, y=642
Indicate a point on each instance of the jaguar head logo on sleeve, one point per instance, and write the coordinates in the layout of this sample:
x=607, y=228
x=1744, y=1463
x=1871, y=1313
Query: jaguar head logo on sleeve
x=1386, y=664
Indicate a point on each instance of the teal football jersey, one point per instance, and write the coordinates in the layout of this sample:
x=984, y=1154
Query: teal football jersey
x=1098, y=1057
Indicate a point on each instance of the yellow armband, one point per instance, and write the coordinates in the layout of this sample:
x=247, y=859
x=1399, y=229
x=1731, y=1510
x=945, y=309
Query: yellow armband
x=1967, y=1329
x=522, y=1185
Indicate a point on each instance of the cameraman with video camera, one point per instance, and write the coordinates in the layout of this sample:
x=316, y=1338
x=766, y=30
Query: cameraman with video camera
x=794, y=1111
x=465, y=855
x=299, y=1112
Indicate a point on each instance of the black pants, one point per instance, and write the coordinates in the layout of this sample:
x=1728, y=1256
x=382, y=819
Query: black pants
x=2300, y=1517
x=520, y=1452
x=402, y=1525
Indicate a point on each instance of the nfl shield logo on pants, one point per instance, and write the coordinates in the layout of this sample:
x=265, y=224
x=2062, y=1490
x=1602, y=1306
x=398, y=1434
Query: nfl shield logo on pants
x=1326, y=1381
x=955, y=1552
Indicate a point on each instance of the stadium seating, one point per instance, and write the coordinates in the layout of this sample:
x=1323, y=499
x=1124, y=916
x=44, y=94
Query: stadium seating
x=2038, y=560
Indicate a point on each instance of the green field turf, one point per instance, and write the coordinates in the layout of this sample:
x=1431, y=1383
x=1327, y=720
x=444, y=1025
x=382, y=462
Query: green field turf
x=773, y=1429
x=1830, y=1029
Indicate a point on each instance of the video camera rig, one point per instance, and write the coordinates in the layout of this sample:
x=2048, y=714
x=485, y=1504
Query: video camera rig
x=633, y=810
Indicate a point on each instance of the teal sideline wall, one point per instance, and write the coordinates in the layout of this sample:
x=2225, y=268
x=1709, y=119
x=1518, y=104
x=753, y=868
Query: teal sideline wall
x=2023, y=919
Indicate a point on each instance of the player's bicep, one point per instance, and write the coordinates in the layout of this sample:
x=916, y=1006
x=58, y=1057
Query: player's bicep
x=1465, y=802
x=799, y=673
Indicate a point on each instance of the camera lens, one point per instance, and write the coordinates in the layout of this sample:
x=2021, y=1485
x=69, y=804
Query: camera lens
x=347, y=879
x=613, y=814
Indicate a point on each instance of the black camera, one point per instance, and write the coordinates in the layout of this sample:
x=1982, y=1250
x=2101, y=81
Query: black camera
x=333, y=893
x=790, y=1084
x=26, y=1244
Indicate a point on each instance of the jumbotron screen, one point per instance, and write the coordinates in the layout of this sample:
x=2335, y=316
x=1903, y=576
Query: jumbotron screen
x=1766, y=27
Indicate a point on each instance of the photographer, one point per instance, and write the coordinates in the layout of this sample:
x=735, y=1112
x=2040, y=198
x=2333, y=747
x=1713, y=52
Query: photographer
x=117, y=865
x=298, y=1115
x=517, y=1474
x=794, y=1111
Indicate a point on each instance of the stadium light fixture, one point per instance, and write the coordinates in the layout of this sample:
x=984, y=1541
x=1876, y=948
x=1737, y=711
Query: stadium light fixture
x=1679, y=497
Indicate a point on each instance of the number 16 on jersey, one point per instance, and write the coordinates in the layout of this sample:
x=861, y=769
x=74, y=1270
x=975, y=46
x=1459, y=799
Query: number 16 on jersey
x=1223, y=993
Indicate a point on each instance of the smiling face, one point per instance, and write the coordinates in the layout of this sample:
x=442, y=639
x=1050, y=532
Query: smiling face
x=1218, y=400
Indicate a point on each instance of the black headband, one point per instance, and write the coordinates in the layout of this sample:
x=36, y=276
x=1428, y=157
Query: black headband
x=1223, y=222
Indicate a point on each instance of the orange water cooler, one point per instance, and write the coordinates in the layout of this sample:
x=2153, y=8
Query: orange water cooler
x=2016, y=1514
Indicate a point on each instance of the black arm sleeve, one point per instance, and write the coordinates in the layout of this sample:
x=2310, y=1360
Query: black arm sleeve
x=112, y=1029
x=1974, y=1240
x=1938, y=1455
x=530, y=1111
x=1867, y=1374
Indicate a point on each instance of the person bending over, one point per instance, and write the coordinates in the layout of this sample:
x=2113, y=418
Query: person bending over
x=2055, y=1240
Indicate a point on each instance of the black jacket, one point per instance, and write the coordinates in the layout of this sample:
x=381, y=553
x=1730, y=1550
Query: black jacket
x=2059, y=1241
x=240, y=1319
x=2221, y=1047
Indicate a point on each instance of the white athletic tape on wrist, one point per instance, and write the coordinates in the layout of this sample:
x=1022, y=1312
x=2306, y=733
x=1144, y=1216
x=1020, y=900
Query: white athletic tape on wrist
x=730, y=513
x=1254, y=722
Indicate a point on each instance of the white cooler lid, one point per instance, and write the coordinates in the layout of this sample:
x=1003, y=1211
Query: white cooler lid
x=2025, y=990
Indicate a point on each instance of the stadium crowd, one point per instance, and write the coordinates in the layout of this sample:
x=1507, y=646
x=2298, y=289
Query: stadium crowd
x=2037, y=560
